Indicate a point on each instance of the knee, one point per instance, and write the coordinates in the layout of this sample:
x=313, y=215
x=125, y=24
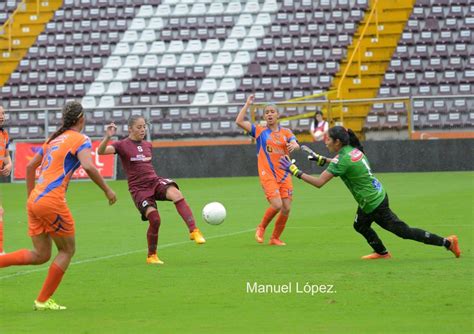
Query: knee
x=277, y=206
x=174, y=194
x=69, y=251
x=42, y=257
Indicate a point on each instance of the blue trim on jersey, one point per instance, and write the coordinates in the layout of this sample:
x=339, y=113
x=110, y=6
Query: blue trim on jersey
x=71, y=163
x=285, y=176
x=253, y=130
x=87, y=144
x=262, y=144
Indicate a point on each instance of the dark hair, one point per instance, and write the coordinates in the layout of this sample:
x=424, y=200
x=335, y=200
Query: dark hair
x=347, y=137
x=133, y=119
x=72, y=112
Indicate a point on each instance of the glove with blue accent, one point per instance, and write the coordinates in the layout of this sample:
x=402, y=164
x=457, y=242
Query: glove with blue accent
x=313, y=156
x=289, y=165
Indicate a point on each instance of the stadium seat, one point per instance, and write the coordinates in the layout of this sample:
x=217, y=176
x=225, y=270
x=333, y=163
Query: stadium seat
x=201, y=99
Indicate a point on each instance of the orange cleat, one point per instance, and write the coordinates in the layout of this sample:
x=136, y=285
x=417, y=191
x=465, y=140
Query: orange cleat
x=153, y=259
x=259, y=234
x=276, y=242
x=454, y=247
x=197, y=236
x=376, y=256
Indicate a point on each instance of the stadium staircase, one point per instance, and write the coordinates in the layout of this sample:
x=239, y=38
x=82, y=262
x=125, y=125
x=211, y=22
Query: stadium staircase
x=376, y=47
x=21, y=30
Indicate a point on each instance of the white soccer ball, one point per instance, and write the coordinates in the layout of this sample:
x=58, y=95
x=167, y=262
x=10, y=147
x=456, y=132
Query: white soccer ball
x=214, y=213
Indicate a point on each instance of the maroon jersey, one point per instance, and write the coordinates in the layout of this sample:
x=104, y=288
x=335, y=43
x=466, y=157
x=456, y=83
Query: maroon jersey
x=136, y=157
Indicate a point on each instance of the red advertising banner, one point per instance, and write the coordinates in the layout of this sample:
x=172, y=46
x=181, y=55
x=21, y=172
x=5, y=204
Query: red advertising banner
x=24, y=152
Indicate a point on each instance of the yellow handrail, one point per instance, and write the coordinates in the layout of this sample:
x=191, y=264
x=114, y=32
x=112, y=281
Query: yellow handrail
x=9, y=22
x=356, y=49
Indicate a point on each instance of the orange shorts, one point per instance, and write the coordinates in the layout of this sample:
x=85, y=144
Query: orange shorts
x=49, y=217
x=273, y=189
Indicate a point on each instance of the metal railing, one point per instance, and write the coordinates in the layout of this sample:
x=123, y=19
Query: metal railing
x=373, y=12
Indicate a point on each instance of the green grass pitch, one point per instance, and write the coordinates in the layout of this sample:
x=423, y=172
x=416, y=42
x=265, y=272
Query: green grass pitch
x=203, y=289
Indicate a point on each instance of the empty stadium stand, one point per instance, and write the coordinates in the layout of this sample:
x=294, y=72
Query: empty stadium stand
x=188, y=66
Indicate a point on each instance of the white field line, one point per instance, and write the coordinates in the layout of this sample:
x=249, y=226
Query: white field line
x=96, y=259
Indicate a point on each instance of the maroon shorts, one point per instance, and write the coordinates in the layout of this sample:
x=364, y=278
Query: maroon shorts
x=146, y=197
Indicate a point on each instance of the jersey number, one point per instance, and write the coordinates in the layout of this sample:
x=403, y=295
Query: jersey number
x=48, y=158
x=366, y=164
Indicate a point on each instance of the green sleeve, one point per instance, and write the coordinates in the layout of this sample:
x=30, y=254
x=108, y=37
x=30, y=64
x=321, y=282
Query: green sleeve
x=337, y=167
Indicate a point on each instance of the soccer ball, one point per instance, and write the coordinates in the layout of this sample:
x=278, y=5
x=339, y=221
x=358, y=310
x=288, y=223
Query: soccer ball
x=214, y=213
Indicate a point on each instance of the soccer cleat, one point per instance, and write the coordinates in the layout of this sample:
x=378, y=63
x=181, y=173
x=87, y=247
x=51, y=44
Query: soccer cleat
x=153, y=259
x=259, y=234
x=454, y=247
x=276, y=242
x=197, y=236
x=376, y=256
x=48, y=305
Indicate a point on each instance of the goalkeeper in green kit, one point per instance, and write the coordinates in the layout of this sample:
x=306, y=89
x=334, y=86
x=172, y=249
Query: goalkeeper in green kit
x=352, y=166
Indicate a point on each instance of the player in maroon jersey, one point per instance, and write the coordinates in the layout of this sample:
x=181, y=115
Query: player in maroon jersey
x=144, y=185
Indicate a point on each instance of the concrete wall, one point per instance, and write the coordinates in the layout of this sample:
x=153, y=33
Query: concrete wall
x=384, y=156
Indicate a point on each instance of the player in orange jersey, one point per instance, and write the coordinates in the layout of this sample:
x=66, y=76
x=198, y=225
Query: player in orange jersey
x=5, y=166
x=273, y=142
x=49, y=218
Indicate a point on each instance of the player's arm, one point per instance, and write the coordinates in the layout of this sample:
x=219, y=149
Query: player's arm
x=103, y=148
x=31, y=171
x=7, y=164
x=85, y=159
x=240, y=120
x=293, y=145
x=287, y=165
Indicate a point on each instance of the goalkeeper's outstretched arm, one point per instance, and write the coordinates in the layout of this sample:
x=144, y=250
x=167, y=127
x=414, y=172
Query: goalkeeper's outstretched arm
x=318, y=182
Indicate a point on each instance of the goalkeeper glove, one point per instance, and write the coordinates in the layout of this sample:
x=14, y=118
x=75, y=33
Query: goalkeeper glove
x=289, y=166
x=320, y=160
x=313, y=156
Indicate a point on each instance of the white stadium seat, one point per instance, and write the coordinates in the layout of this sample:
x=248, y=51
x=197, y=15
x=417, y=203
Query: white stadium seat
x=140, y=48
x=114, y=62
x=105, y=74
x=194, y=45
x=208, y=85
x=220, y=98
x=216, y=71
x=96, y=88
x=123, y=74
x=106, y=102
x=201, y=99
x=224, y=57
x=205, y=59
x=115, y=88
x=88, y=102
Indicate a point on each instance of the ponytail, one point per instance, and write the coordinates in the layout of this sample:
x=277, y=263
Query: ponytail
x=72, y=112
x=346, y=137
x=354, y=141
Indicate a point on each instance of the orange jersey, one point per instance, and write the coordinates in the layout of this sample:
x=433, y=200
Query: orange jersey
x=271, y=146
x=58, y=164
x=4, y=141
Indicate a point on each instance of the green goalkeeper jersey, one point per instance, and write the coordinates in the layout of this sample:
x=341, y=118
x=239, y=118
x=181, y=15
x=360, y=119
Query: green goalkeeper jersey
x=354, y=169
